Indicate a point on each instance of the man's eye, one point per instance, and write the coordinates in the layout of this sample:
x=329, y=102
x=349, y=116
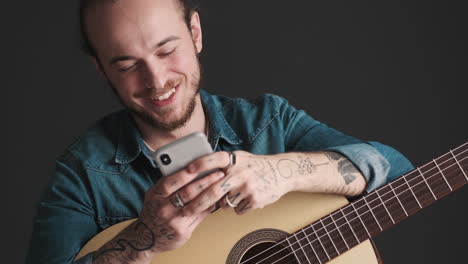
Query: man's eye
x=165, y=54
x=128, y=68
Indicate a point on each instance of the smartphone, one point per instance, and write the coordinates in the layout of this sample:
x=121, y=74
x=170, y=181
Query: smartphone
x=177, y=155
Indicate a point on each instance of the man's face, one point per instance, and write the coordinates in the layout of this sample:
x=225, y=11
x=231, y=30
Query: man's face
x=149, y=57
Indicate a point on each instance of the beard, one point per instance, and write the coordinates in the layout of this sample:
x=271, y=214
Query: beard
x=172, y=125
x=149, y=119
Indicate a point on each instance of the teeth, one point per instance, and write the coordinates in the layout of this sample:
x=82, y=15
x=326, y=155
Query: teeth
x=167, y=95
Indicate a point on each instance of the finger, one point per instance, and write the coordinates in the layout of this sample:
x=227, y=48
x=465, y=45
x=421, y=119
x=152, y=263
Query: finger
x=209, y=196
x=197, y=219
x=192, y=190
x=243, y=207
x=167, y=185
x=234, y=198
x=216, y=160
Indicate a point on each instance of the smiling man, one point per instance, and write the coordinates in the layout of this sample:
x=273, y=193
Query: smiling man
x=148, y=52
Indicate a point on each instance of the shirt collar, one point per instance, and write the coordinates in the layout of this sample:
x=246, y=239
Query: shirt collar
x=130, y=142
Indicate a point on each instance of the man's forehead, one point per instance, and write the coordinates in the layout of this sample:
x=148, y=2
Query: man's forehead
x=114, y=25
x=135, y=4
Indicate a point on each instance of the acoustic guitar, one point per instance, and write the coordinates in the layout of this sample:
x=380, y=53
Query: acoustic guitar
x=309, y=228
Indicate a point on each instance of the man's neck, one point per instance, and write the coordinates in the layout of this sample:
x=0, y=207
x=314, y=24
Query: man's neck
x=156, y=138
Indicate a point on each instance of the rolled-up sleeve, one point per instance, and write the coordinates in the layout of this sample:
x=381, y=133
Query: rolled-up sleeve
x=377, y=162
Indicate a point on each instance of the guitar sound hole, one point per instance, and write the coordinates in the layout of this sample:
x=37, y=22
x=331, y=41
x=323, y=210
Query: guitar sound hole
x=268, y=252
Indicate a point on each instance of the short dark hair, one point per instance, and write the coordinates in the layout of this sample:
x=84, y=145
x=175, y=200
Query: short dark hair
x=187, y=7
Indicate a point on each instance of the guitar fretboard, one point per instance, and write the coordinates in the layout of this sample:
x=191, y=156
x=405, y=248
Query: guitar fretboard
x=381, y=209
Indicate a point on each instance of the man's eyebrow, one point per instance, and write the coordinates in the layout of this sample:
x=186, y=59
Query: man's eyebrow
x=166, y=40
x=160, y=44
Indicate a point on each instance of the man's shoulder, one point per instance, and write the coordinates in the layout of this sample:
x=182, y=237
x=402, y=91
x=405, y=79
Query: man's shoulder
x=97, y=144
x=264, y=104
x=248, y=117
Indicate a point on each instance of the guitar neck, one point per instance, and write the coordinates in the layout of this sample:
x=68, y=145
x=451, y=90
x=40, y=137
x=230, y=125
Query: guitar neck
x=381, y=209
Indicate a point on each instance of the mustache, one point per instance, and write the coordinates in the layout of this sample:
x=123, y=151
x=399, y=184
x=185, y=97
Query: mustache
x=153, y=92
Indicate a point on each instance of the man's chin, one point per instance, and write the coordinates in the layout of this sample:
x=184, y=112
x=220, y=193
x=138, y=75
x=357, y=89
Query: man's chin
x=165, y=123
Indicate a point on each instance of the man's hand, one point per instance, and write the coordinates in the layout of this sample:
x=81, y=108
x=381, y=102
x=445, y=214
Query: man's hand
x=162, y=226
x=256, y=181
x=252, y=183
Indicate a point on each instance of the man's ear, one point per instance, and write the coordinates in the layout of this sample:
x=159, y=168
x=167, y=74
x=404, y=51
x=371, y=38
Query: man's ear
x=98, y=65
x=195, y=29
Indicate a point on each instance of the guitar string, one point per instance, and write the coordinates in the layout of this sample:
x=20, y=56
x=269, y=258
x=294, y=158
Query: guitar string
x=346, y=222
x=344, y=215
x=334, y=229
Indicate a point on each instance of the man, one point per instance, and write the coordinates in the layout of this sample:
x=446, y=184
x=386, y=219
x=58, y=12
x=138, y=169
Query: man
x=148, y=51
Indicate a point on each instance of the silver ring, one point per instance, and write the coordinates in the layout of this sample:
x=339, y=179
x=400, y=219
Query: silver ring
x=177, y=201
x=226, y=198
x=232, y=159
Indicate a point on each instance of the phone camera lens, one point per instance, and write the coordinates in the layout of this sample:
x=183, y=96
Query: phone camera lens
x=165, y=159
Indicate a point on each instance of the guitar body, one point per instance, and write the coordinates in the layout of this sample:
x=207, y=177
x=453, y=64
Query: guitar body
x=224, y=237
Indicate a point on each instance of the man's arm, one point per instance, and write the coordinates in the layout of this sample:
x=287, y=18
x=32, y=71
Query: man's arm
x=318, y=172
x=65, y=218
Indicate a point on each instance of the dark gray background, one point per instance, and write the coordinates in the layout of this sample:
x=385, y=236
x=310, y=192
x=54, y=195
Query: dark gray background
x=391, y=71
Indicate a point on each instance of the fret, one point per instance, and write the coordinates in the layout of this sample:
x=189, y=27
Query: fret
x=398, y=199
x=379, y=210
x=429, y=187
x=411, y=189
x=302, y=245
x=372, y=212
x=325, y=239
x=458, y=163
x=370, y=225
x=365, y=228
x=385, y=207
x=334, y=235
x=310, y=244
x=356, y=225
x=339, y=231
x=316, y=244
x=443, y=176
x=296, y=249
x=392, y=203
x=346, y=229
x=403, y=192
x=419, y=188
x=451, y=168
x=435, y=180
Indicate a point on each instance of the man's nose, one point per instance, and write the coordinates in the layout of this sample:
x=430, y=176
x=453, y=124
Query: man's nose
x=155, y=76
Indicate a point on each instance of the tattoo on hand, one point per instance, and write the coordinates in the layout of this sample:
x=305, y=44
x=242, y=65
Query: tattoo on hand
x=226, y=186
x=233, y=198
x=122, y=244
x=245, y=207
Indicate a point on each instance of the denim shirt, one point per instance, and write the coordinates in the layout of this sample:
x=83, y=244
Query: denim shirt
x=101, y=179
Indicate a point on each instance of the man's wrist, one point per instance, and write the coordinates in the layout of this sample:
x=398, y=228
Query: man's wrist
x=135, y=244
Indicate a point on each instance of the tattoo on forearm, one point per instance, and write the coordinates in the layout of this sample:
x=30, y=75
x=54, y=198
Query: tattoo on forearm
x=287, y=167
x=345, y=167
x=273, y=172
x=122, y=244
